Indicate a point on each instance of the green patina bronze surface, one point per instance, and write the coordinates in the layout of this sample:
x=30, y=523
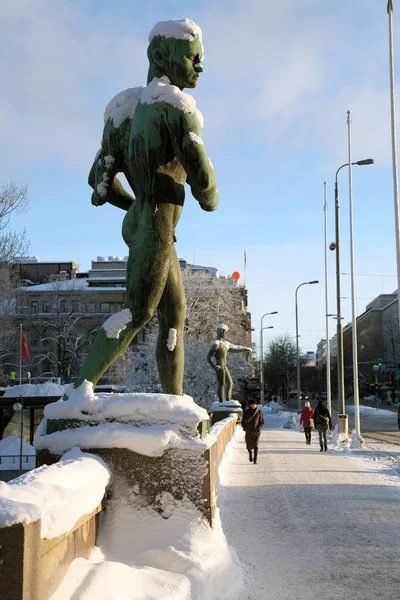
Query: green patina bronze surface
x=158, y=148
x=216, y=358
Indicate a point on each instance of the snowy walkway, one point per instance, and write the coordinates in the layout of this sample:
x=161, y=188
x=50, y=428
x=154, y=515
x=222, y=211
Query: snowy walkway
x=309, y=525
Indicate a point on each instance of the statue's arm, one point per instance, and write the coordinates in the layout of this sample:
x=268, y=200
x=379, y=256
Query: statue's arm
x=103, y=174
x=115, y=195
x=191, y=152
x=234, y=348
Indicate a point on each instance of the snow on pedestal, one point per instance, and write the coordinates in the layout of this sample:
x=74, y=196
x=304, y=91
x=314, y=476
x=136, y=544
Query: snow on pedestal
x=226, y=405
x=222, y=410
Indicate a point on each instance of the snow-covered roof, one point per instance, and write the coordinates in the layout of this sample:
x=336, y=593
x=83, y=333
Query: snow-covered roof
x=64, y=285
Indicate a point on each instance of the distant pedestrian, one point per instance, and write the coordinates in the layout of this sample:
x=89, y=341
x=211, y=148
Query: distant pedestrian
x=252, y=423
x=322, y=420
x=12, y=377
x=307, y=420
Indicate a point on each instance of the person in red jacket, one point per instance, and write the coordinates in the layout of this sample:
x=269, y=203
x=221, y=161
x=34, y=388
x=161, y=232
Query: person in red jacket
x=306, y=417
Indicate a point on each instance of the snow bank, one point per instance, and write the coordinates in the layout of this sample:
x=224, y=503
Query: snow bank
x=369, y=410
x=35, y=389
x=279, y=419
x=177, y=550
x=10, y=451
x=58, y=495
x=113, y=580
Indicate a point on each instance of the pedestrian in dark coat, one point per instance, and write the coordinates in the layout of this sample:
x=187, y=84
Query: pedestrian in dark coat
x=252, y=423
x=306, y=419
x=322, y=420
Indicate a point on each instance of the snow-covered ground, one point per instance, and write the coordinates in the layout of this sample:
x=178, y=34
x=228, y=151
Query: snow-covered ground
x=143, y=555
x=299, y=525
x=10, y=448
x=35, y=389
x=310, y=525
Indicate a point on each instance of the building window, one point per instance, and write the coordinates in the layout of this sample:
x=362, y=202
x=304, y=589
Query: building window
x=34, y=307
x=105, y=307
x=115, y=307
x=91, y=307
x=46, y=306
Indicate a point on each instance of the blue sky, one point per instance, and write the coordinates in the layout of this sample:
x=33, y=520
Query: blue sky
x=278, y=80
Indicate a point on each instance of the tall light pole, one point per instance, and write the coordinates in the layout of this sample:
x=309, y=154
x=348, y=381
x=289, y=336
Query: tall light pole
x=394, y=151
x=328, y=349
x=353, y=292
x=342, y=417
x=275, y=312
x=297, y=342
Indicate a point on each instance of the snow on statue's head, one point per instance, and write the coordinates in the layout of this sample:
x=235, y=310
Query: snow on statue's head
x=221, y=330
x=176, y=51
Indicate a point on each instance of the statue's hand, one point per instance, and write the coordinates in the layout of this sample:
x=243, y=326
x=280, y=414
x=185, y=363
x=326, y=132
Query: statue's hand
x=218, y=368
x=209, y=205
x=98, y=200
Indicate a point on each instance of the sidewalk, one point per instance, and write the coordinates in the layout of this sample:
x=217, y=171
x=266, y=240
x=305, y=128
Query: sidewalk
x=309, y=525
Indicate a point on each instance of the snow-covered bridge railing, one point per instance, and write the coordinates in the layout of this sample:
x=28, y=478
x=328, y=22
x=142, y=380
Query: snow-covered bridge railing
x=48, y=518
x=223, y=431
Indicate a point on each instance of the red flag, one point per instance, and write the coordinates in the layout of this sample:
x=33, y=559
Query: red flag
x=24, y=347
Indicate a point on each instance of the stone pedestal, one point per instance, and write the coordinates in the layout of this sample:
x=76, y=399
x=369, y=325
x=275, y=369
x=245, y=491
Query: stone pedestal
x=222, y=410
x=152, y=443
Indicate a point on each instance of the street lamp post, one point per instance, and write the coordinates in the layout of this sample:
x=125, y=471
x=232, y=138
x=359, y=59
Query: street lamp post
x=394, y=150
x=275, y=312
x=328, y=350
x=342, y=417
x=297, y=342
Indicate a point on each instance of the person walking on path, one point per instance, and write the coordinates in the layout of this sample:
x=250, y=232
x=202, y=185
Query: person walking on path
x=252, y=423
x=322, y=420
x=306, y=419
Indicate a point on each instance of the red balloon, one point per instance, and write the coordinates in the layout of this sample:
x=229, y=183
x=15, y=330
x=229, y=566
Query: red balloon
x=236, y=275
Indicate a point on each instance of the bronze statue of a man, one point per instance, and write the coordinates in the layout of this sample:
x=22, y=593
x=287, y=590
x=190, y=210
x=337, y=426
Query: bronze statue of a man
x=219, y=351
x=152, y=134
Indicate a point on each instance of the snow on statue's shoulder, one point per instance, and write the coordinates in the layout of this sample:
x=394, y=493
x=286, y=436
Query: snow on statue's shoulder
x=122, y=106
x=161, y=90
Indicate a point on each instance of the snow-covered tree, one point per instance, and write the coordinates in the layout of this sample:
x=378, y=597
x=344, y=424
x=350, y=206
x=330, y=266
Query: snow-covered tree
x=13, y=200
x=8, y=329
x=209, y=301
x=61, y=335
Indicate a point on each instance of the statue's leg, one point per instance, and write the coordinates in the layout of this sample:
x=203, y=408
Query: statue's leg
x=228, y=385
x=147, y=272
x=221, y=385
x=171, y=316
